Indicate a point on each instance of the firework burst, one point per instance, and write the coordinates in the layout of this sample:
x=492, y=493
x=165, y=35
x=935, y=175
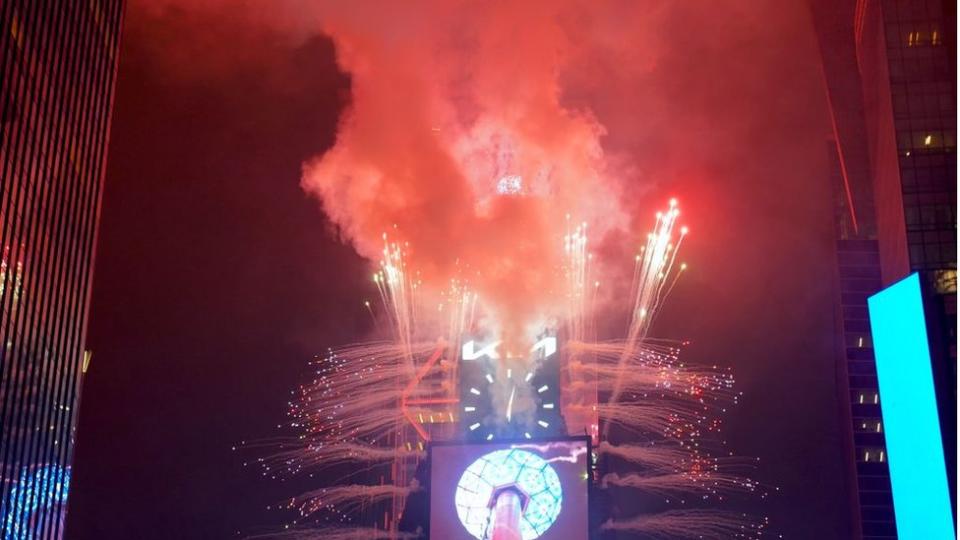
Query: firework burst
x=371, y=408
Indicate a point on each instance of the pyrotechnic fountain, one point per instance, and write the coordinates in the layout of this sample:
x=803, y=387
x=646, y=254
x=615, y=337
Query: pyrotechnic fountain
x=373, y=409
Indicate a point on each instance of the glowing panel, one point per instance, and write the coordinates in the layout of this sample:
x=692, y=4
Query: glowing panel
x=469, y=352
x=921, y=498
x=510, y=185
x=547, y=344
x=36, y=489
x=528, y=471
x=463, y=477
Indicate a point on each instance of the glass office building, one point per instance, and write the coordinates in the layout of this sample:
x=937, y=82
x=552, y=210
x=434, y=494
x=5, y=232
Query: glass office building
x=58, y=65
x=889, y=71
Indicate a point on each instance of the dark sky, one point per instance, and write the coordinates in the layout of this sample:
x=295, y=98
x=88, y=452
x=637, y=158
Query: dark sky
x=217, y=279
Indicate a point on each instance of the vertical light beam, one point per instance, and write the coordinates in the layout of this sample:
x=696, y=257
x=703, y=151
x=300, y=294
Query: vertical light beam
x=921, y=498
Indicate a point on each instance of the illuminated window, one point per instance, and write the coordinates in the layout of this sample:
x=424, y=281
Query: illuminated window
x=858, y=341
x=919, y=38
x=868, y=397
x=16, y=32
x=869, y=425
x=873, y=455
x=945, y=281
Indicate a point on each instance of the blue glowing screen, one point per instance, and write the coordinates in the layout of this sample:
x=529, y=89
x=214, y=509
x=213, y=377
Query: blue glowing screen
x=921, y=498
x=528, y=471
x=37, y=489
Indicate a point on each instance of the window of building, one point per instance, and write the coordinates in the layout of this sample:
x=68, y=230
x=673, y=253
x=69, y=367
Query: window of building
x=868, y=397
x=859, y=340
x=868, y=425
x=873, y=455
x=945, y=281
x=16, y=32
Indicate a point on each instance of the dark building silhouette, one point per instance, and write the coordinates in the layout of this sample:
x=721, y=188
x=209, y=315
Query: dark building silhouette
x=58, y=63
x=889, y=71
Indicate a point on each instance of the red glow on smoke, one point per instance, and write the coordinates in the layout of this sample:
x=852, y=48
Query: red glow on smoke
x=458, y=141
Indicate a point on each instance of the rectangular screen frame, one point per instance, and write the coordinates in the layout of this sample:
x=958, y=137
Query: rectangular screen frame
x=591, y=467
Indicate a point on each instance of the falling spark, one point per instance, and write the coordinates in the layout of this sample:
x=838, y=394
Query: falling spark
x=356, y=410
x=690, y=524
x=652, y=272
x=348, y=497
x=337, y=533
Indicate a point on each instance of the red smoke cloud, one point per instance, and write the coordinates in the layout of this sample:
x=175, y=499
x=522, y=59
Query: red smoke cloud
x=448, y=102
x=591, y=103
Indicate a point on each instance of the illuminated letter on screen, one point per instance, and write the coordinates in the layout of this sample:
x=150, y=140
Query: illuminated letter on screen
x=921, y=498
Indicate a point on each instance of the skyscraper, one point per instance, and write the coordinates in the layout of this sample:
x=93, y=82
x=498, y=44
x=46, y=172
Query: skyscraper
x=890, y=77
x=58, y=68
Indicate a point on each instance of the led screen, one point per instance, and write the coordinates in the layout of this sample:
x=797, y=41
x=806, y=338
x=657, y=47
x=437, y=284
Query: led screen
x=921, y=498
x=552, y=475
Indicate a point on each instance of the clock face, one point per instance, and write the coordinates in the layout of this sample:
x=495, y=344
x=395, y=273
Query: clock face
x=509, y=406
x=512, y=398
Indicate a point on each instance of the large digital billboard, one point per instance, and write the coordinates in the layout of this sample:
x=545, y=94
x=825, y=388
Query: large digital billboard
x=538, y=489
x=921, y=496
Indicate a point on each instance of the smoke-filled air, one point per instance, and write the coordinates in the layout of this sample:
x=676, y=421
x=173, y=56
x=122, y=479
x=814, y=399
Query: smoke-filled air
x=458, y=143
x=471, y=170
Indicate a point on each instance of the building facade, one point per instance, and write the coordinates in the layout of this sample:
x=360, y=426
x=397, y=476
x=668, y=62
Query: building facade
x=58, y=63
x=889, y=71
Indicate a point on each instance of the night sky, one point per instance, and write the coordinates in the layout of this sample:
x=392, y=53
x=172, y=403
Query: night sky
x=218, y=279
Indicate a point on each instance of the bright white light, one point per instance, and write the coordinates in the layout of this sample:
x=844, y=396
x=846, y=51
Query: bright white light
x=510, y=185
x=469, y=409
x=543, y=424
x=473, y=427
x=490, y=436
x=548, y=405
x=542, y=389
x=474, y=391
x=489, y=378
x=548, y=344
x=528, y=377
x=530, y=472
x=468, y=352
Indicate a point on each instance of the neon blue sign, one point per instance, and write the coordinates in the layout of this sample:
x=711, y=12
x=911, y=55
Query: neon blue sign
x=921, y=496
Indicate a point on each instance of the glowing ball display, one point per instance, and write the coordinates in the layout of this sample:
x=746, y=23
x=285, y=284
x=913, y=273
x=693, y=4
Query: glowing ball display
x=528, y=472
